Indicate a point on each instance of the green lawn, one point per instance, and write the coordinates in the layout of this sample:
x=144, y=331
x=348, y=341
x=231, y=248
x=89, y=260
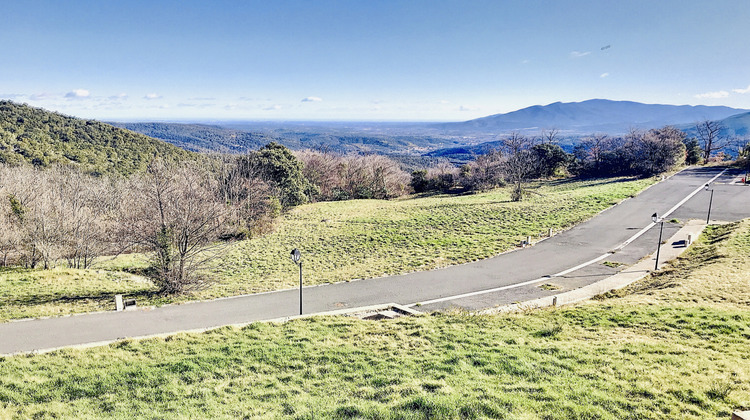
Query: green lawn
x=340, y=241
x=671, y=346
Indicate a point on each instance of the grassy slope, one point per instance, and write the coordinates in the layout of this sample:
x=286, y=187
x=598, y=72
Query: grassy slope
x=347, y=240
x=674, y=348
x=358, y=239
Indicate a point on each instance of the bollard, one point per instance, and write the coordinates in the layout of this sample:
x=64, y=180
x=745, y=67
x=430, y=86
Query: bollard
x=119, y=306
x=690, y=239
x=528, y=240
x=549, y=234
x=554, y=301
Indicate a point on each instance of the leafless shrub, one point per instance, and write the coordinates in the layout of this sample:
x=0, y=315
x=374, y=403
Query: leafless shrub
x=353, y=176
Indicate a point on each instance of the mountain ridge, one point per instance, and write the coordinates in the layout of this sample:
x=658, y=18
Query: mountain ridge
x=595, y=115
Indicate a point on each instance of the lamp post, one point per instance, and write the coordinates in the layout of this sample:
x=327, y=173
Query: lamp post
x=708, y=217
x=655, y=219
x=297, y=258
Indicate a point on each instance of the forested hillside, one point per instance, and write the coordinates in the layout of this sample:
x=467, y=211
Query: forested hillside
x=41, y=137
x=240, y=138
x=201, y=137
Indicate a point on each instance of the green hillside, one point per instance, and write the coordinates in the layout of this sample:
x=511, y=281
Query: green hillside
x=41, y=137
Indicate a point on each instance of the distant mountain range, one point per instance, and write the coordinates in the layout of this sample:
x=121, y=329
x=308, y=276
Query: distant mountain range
x=458, y=142
x=735, y=126
x=593, y=116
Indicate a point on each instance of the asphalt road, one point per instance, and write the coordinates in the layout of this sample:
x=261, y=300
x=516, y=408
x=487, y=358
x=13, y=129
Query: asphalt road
x=510, y=277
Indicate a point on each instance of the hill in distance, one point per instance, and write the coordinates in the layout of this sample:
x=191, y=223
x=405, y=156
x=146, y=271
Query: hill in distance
x=594, y=116
x=737, y=126
x=468, y=138
x=201, y=137
x=40, y=137
x=238, y=137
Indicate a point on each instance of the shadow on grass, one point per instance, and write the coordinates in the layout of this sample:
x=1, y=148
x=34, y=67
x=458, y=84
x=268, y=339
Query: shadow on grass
x=98, y=297
x=592, y=181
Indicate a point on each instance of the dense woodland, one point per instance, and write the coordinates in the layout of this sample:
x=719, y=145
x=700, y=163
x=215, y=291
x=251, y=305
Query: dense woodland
x=43, y=138
x=72, y=191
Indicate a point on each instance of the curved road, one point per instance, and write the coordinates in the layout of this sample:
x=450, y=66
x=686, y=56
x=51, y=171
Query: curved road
x=510, y=277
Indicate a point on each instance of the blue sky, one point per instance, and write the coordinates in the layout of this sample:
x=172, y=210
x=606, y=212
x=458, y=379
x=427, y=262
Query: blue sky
x=367, y=60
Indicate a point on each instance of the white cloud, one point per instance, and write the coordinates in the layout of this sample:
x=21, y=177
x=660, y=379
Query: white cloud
x=272, y=108
x=445, y=102
x=467, y=108
x=713, y=95
x=747, y=90
x=578, y=54
x=119, y=96
x=525, y=61
x=78, y=94
x=151, y=96
x=603, y=75
x=312, y=99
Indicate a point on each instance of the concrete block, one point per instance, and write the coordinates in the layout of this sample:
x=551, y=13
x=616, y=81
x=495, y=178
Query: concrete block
x=741, y=415
x=119, y=306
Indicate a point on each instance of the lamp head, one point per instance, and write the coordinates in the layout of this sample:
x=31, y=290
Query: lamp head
x=706, y=187
x=296, y=255
x=654, y=217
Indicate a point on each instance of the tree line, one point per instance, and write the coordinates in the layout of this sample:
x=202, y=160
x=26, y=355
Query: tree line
x=522, y=158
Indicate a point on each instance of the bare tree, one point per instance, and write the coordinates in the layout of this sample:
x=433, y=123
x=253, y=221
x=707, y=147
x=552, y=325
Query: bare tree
x=550, y=136
x=353, y=176
x=710, y=137
x=484, y=173
x=174, y=214
x=656, y=150
x=519, y=163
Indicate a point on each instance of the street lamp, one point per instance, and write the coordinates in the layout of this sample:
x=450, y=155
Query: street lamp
x=655, y=219
x=297, y=258
x=708, y=217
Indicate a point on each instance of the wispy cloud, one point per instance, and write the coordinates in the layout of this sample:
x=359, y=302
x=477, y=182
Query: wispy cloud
x=467, y=108
x=119, y=97
x=199, y=98
x=312, y=99
x=41, y=96
x=11, y=95
x=272, y=108
x=578, y=54
x=746, y=90
x=78, y=94
x=713, y=95
x=152, y=96
x=603, y=75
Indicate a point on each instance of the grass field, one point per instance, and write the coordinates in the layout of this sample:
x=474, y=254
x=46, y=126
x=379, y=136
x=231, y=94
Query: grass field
x=671, y=346
x=339, y=241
